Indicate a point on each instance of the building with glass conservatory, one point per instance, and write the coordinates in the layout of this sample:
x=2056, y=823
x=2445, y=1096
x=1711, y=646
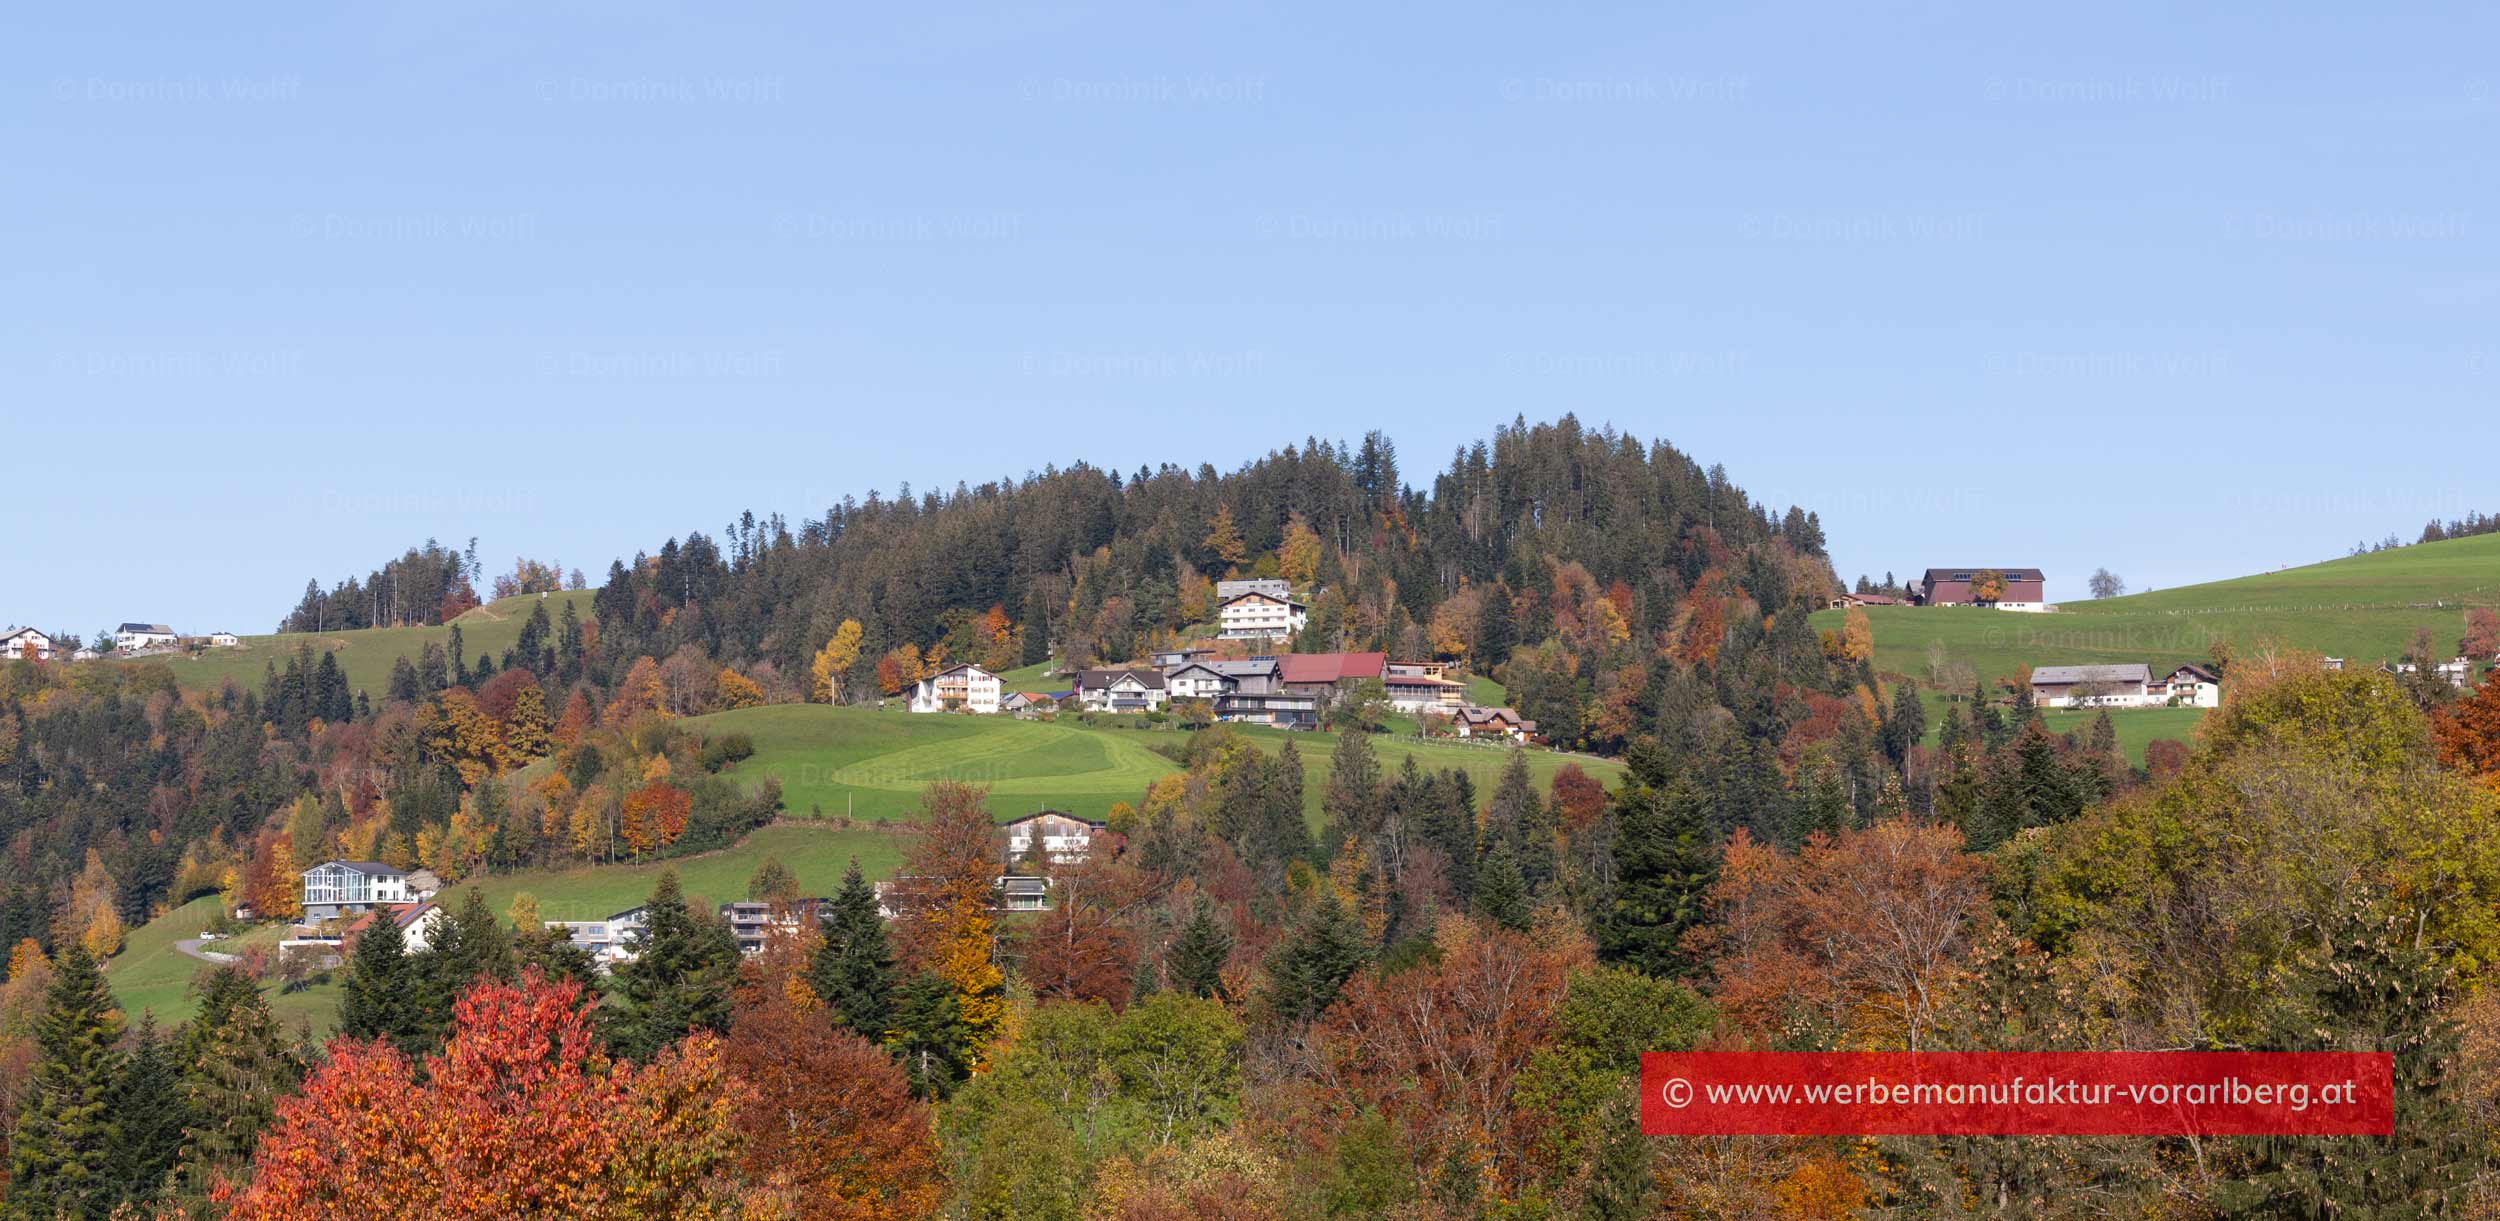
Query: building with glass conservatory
x=338, y=888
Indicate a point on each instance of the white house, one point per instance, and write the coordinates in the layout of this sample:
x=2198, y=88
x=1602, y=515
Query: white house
x=610, y=941
x=1198, y=680
x=1121, y=690
x=1474, y=722
x=337, y=888
x=2112, y=686
x=2454, y=671
x=223, y=640
x=1067, y=838
x=419, y=924
x=132, y=637
x=958, y=688
x=1258, y=616
x=2189, y=687
x=14, y=645
x=1274, y=587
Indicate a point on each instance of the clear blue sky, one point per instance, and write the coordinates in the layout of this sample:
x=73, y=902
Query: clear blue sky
x=2186, y=292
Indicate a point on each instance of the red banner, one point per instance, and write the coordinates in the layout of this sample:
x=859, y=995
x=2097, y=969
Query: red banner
x=1969, y=1093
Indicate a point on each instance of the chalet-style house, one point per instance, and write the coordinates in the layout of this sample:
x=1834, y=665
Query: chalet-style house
x=1022, y=703
x=18, y=644
x=419, y=924
x=1067, y=839
x=1422, y=686
x=2189, y=686
x=1258, y=616
x=957, y=688
x=339, y=888
x=1474, y=722
x=136, y=637
x=1134, y=690
x=2013, y=589
x=610, y=940
x=1845, y=601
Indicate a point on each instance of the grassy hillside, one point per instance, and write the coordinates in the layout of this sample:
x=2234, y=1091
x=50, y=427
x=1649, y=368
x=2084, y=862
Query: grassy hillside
x=367, y=655
x=2365, y=608
x=872, y=765
x=818, y=855
x=151, y=976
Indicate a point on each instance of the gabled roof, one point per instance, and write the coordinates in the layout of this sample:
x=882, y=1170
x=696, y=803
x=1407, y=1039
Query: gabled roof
x=1263, y=597
x=154, y=629
x=1331, y=667
x=360, y=867
x=961, y=665
x=2057, y=676
x=1095, y=680
x=1041, y=814
x=1475, y=715
x=1968, y=574
x=2202, y=674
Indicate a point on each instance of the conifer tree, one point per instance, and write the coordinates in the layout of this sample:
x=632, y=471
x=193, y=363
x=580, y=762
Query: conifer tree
x=680, y=979
x=382, y=996
x=1501, y=892
x=1665, y=865
x=151, y=1114
x=232, y=1090
x=1352, y=797
x=1314, y=961
x=1199, y=953
x=469, y=943
x=1520, y=819
x=61, y=1152
x=930, y=1037
x=853, y=968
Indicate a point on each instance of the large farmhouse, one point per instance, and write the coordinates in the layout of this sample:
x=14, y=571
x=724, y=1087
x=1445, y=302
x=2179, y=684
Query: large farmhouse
x=2129, y=685
x=962, y=688
x=2014, y=589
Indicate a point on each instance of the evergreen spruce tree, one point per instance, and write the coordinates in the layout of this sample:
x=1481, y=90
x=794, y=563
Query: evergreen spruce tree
x=382, y=997
x=231, y=1092
x=1621, y=1185
x=1501, y=892
x=680, y=978
x=150, y=1114
x=1665, y=864
x=1198, y=954
x=61, y=1153
x=1907, y=725
x=1352, y=799
x=1313, y=962
x=929, y=1036
x=470, y=943
x=1449, y=821
x=1521, y=820
x=853, y=968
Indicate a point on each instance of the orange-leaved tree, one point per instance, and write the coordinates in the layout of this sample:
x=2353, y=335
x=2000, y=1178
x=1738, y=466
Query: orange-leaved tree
x=521, y=1114
x=827, y=1121
x=943, y=903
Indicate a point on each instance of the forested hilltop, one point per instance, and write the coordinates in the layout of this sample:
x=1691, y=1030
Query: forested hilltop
x=1369, y=980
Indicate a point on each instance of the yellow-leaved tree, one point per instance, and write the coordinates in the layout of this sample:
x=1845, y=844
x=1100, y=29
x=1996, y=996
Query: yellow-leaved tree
x=833, y=661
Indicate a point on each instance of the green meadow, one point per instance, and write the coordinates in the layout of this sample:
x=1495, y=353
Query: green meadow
x=2363, y=608
x=817, y=854
x=366, y=655
x=151, y=976
x=871, y=765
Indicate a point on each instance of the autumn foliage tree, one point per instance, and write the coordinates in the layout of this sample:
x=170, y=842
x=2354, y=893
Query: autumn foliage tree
x=943, y=898
x=654, y=816
x=834, y=661
x=521, y=1114
x=828, y=1123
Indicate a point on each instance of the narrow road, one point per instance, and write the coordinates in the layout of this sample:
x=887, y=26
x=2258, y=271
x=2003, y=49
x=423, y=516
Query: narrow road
x=191, y=946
